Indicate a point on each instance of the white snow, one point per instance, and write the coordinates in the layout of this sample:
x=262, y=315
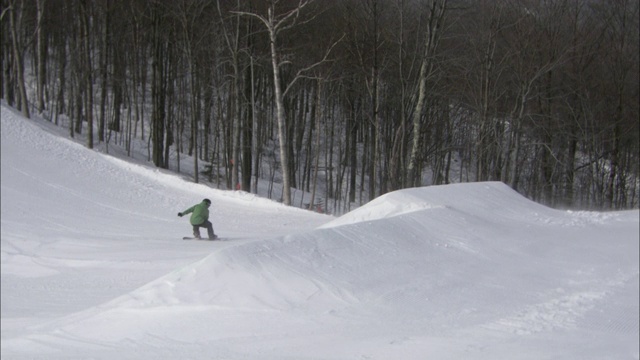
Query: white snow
x=93, y=266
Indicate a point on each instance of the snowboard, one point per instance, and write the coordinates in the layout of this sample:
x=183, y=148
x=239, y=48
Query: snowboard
x=204, y=238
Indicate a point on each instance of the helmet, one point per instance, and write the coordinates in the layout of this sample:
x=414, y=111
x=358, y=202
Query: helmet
x=207, y=201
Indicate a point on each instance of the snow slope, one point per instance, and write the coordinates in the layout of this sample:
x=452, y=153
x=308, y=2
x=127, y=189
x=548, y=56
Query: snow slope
x=92, y=267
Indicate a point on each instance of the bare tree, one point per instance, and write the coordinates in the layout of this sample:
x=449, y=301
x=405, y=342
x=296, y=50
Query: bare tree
x=276, y=24
x=41, y=45
x=192, y=38
x=160, y=54
x=437, y=11
x=16, y=11
x=232, y=40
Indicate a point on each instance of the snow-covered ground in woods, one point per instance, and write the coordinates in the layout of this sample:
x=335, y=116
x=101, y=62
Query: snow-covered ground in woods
x=93, y=266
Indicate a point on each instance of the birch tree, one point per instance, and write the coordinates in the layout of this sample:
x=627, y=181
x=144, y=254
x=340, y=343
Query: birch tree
x=437, y=11
x=275, y=24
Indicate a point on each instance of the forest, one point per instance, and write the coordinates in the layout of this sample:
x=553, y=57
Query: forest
x=345, y=99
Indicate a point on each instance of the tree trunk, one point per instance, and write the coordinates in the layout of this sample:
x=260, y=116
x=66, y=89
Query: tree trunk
x=157, y=94
x=87, y=76
x=316, y=163
x=104, y=58
x=16, y=27
x=41, y=56
x=281, y=119
x=437, y=12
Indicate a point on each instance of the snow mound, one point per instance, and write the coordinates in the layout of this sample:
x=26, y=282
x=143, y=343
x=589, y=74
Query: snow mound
x=434, y=260
x=494, y=197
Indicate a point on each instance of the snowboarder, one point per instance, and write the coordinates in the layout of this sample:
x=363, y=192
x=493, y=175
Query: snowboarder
x=200, y=218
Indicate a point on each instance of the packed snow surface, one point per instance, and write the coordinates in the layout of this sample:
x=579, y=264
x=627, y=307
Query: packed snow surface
x=94, y=266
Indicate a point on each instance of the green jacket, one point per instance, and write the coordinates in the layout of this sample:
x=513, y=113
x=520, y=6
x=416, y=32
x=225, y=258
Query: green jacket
x=200, y=213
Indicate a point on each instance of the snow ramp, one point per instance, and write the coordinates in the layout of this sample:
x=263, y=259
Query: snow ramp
x=470, y=267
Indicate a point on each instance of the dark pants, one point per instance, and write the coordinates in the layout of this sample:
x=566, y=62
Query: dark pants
x=207, y=224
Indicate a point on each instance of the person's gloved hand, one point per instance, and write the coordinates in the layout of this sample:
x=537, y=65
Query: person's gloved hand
x=180, y=214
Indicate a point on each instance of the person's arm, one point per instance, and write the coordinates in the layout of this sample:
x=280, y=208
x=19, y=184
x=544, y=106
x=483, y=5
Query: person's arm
x=188, y=211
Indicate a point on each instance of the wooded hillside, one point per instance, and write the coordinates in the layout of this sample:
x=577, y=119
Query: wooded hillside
x=363, y=96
